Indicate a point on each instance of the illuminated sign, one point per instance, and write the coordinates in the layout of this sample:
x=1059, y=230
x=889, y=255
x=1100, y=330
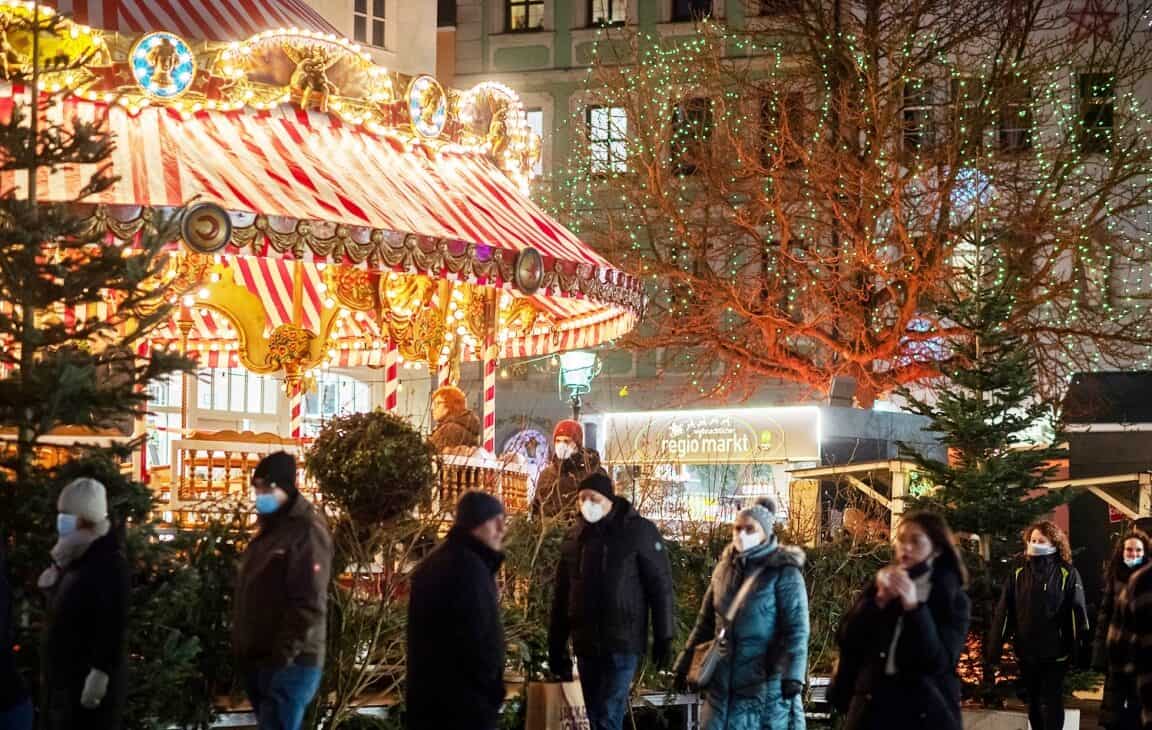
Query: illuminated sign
x=749, y=435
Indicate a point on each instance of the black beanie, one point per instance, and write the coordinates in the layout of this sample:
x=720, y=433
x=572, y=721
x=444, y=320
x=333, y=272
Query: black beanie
x=597, y=482
x=476, y=508
x=278, y=469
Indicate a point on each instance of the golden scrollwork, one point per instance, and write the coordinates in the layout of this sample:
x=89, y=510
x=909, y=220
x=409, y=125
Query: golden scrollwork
x=353, y=288
x=520, y=316
x=403, y=294
x=289, y=346
x=188, y=271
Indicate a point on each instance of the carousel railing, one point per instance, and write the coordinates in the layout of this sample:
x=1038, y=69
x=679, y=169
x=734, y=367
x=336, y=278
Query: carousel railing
x=467, y=468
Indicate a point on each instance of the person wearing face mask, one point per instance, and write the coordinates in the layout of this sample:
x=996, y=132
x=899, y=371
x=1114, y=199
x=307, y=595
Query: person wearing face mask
x=612, y=576
x=901, y=641
x=1120, y=705
x=760, y=678
x=455, y=678
x=558, y=483
x=85, y=655
x=1042, y=609
x=280, y=618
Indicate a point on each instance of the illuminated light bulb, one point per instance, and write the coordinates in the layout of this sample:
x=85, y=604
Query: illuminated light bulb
x=203, y=293
x=189, y=300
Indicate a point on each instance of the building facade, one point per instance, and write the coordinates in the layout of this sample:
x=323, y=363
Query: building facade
x=400, y=34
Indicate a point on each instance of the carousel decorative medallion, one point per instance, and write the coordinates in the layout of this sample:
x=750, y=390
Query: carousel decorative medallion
x=163, y=65
x=428, y=106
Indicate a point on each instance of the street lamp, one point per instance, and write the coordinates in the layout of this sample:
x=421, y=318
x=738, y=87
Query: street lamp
x=577, y=369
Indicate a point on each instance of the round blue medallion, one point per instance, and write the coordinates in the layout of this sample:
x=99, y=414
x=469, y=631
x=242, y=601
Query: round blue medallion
x=163, y=65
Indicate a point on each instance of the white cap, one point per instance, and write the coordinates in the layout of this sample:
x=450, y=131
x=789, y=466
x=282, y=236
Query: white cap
x=85, y=498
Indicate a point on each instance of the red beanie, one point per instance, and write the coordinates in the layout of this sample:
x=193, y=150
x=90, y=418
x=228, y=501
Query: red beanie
x=571, y=429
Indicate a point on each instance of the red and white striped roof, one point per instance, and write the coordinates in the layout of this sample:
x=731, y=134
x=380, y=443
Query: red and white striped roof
x=310, y=166
x=208, y=20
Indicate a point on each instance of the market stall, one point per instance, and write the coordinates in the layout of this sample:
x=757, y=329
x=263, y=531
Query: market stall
x=333, y=213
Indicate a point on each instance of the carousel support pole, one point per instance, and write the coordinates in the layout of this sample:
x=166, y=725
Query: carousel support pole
x=391, y=375
x=294, y=385
x=489, y=358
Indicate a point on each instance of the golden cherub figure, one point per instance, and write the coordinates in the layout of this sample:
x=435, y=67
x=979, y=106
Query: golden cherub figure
x=164, y=58
x=10, y=58
x=429, y=104
x=311, y=74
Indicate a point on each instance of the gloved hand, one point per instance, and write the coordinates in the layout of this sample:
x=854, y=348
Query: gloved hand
x=662, y=653
x=680, y=682
x=789, y=688
x=95, y=687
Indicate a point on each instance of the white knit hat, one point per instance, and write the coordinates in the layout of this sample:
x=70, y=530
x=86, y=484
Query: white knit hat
x=85, y=498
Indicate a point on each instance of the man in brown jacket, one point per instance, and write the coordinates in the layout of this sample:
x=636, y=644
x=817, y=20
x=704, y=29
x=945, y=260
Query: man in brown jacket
x=279, y=628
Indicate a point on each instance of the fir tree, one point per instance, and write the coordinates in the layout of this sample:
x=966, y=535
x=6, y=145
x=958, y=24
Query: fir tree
x=983, y=411
x=60, y=368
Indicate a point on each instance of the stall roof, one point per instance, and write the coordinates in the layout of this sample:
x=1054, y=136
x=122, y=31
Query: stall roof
x=217, y=20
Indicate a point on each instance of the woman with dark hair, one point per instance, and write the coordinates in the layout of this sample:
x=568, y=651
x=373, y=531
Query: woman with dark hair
x=1042, y=610
x=1120, y=706
x=901, y=641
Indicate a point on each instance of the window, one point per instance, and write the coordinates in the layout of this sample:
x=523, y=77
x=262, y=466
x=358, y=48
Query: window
x=919, y=106
x=525, y=15
x=967, y=113
x=1097, y=110
x=535, y=121
x=238, y=391
x=683, y=10
x=607, y=12
x=1016, y=120
x=607, y=139
x=165, y=398
x=691, y=131
x=368, y=27
x=335, y=395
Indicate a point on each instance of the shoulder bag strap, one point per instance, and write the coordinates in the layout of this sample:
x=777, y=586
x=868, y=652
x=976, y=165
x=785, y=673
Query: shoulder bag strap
x=742, y=595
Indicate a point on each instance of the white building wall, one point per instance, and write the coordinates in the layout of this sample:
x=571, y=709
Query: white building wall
x=410, y=32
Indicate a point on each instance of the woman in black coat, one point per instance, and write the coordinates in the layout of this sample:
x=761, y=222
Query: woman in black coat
x=1120, y=706
x=85, y=653
x=901, y=641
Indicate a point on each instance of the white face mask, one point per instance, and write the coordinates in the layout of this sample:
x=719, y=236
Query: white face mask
x=593, y=511
x=1037, y=550
x=564, y=450
x=746, y=541
x=1133, y=562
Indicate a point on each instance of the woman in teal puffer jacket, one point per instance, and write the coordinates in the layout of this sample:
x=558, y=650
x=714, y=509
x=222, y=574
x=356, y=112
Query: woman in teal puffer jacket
x=759, y=682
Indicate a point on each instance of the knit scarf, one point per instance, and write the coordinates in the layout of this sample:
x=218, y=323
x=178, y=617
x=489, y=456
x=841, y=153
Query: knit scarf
x=69, y=549
x=734, y=566
x=923, y=583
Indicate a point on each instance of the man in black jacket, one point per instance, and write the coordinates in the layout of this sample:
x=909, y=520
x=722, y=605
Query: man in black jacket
x=281, y=615
x=613, y=573
x=455, y=635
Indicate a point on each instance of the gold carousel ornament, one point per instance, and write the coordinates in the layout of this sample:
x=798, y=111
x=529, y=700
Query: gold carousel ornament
x=163, y=65
x=428, y=106
x=310, y=79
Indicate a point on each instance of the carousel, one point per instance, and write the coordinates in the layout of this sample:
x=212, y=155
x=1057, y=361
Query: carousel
x=333, y=214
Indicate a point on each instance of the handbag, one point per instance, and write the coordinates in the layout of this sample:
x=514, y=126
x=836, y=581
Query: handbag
x=706, y=656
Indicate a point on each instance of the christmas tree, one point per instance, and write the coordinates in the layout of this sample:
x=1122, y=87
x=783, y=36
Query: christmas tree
x=986, y=411
x=75, y=309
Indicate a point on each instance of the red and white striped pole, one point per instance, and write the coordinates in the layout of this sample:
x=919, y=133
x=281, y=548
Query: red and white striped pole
x=295, y=407
x=490, y=356
x=391, y=375
x=444, y=372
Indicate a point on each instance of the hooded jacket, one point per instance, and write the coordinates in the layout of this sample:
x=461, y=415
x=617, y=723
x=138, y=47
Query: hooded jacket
x=917, y=686
x=1042, y=609
x=87, y=629
x=611, y=577
x=455, y=638
x=768, y=641
x=458, y=429
x=1119, y=686
x=1130, y=639
x=281, y=612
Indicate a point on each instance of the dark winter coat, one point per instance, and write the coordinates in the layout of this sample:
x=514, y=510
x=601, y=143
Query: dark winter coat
x=768, y=642
x=11, y=685
x=281, y=612
x=459, y=429
x=1119, y=687
x=1130, y=639
x=1042, y=610
x=559, y=482
x=924, y=691
x=455, y=638
x=87, y=629
x=612, y=575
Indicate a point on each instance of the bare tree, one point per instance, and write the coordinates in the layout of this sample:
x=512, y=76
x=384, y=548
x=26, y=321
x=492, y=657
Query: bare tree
x=800, y=189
